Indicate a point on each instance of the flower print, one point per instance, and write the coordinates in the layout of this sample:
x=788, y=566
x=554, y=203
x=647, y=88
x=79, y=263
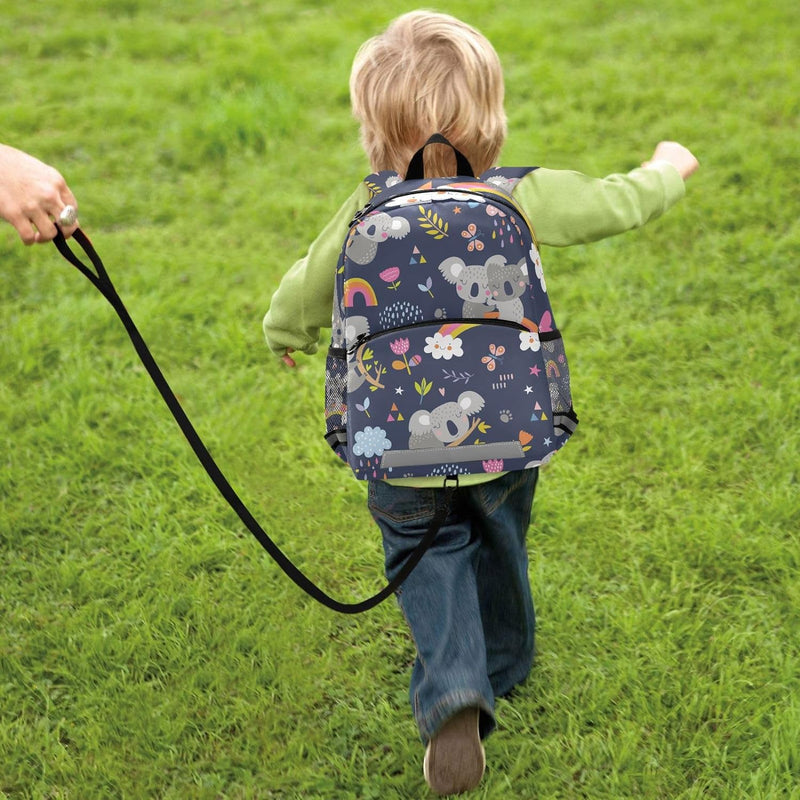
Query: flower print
x=371, y=442
x=399, y=346
x=529, y=340
x=443, y=346
x=390, y=275
x=493, y=465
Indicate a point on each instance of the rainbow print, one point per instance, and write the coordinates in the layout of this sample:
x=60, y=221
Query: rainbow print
x=526, y=323
x=358, y=286
x=551, y=369
x=455, y=329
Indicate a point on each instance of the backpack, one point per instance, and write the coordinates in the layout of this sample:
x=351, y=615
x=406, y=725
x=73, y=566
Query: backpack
x=445, y=358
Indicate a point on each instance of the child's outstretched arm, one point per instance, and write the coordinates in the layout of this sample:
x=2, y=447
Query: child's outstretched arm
x=676, y=154
x=569, y=208
x=303, y=301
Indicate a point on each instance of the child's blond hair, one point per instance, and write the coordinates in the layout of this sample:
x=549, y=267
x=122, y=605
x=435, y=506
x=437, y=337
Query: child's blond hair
x=429, y=73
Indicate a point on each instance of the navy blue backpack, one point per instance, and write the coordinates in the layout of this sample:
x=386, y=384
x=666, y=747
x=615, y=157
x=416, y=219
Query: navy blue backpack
x=445, y=358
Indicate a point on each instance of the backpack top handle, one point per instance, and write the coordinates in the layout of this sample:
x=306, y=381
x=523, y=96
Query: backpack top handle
x=416, y=167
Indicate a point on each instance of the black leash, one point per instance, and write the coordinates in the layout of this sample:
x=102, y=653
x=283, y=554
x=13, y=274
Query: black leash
x=102, y=282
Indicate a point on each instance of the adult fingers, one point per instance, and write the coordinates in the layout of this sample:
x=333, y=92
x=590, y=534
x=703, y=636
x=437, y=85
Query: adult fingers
x=44, y=224
x=54, y=197
x=26, y=230
x=40, y=212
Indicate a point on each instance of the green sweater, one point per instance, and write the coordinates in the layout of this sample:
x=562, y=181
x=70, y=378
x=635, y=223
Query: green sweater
x=564, y=207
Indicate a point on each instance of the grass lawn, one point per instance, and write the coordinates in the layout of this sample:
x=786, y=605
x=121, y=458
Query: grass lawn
x=149, y=649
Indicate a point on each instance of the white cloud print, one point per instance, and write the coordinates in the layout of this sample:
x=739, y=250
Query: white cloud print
x=443, y=346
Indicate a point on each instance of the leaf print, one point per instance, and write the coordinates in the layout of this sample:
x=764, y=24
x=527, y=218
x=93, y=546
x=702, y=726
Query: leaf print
x=423, y=387
x=457, y=377
x=364, y=408
x=433, y=224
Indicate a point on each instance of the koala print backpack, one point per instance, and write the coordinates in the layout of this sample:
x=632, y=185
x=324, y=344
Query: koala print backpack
x=445, y=358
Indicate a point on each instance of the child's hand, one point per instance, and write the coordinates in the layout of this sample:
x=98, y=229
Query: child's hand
x=677, y=155
x=287, y=359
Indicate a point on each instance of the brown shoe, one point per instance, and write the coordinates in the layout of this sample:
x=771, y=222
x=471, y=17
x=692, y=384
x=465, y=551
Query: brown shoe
x=455, y=759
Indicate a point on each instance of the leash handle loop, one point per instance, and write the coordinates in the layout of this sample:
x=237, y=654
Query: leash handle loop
x=99, y=277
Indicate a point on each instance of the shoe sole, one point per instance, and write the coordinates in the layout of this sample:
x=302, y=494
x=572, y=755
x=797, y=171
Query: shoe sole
x=455, y=758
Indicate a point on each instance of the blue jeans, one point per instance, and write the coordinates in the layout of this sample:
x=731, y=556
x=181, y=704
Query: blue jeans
x=468, y=602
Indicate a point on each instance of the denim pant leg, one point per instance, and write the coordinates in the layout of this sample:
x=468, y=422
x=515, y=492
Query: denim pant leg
x=501, y=514
x=440, y=603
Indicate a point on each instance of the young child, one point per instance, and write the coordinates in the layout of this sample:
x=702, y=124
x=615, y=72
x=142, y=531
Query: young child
x=468, y=603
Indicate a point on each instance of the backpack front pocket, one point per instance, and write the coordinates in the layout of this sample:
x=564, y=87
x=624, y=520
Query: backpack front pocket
x=460, y=396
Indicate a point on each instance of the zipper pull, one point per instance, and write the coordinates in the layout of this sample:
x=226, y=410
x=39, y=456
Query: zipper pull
x=360, y=214
x=360, y=340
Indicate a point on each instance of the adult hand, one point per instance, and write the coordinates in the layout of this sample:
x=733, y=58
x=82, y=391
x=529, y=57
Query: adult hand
x=32, y=196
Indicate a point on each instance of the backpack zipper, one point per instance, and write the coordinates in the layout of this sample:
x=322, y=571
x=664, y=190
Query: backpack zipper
x=497, y=199
x=364, y=338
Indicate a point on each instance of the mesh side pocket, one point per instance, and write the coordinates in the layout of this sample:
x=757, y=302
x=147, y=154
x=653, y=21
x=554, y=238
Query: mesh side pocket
x=336, y=401
x=557, y=370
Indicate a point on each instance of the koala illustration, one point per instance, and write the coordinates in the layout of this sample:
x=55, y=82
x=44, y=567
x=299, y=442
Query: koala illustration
x=356, y=326
x=447, y=423
x=505, y=184
x=371, y=231
x=507, y=282
x=471, y=285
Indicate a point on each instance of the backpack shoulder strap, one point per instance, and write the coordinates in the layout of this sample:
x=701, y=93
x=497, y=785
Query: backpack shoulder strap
x=506, y=177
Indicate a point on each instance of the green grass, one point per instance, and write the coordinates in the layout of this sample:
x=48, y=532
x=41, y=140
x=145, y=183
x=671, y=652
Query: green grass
x=147, y=646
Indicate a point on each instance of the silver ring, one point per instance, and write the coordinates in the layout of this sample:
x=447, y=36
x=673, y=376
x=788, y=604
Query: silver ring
x=68, y=216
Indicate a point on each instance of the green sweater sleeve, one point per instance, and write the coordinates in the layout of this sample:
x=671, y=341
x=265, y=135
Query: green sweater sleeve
x=303, y=301
x=568, y=208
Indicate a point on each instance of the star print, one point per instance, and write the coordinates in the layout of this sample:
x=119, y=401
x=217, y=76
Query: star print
x=398, y=390
x=457, y=210
x=535, y=371
x=547, y=442
x=528, y=389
